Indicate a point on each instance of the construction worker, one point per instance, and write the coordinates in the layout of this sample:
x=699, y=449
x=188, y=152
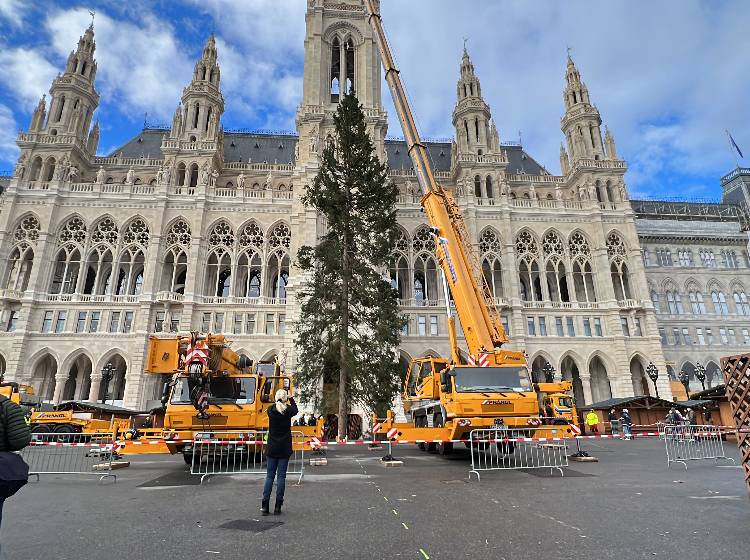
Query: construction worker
x=14, y=436
x=592, y=421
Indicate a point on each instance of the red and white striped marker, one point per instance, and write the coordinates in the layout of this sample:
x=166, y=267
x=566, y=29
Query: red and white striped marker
x=484, y=360
x=392, y=433
x=471, y=360
x=575, y=429
x=376, y=428
x=197, y=353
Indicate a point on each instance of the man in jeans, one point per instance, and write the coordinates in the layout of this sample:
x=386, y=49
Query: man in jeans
x=14, y=436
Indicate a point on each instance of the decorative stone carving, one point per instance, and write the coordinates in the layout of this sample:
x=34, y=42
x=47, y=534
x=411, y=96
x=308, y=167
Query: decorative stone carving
x=100, y=175
x=130, y=177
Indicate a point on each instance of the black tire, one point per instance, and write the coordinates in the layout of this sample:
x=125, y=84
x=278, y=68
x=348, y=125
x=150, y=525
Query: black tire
x=188, y=458
x=65, y=432
x=421, y=422
x=442, y=448
x=508, y=447
x=41, y=429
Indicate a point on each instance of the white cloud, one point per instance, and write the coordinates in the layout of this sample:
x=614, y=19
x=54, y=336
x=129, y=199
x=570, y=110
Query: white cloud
x=27, y=74
x=13, y=11
x=8, y=129
x=678, y=64
x=141, y=68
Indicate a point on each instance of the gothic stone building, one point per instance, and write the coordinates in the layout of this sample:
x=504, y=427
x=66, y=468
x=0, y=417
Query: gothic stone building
x=191, y=227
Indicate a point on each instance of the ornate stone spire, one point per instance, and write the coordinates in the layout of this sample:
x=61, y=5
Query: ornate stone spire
x=582, y=122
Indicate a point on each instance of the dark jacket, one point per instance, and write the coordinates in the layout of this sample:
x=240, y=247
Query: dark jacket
x=280, y=431
x=14, y=432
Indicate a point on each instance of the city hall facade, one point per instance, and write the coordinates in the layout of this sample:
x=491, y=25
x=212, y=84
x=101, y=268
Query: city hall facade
x=194, y=228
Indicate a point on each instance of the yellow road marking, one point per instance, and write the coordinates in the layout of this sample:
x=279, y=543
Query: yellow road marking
x=405, y=526
x=426, y=556
x=394, y=512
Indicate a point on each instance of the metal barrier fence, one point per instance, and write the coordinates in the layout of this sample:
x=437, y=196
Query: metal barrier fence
x=235, y=452
x=71, y=453
x=505, y=448
x=693, y=443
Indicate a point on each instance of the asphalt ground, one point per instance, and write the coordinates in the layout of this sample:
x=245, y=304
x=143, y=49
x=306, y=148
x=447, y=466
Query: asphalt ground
x=628, y=505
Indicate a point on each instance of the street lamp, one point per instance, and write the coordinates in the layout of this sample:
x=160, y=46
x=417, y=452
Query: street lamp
x=653, y=375
x=700, y=373
x=108, y=372
x=685, y=380
x=549, y=372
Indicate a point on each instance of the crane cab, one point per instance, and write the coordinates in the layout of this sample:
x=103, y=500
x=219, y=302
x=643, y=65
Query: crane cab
x=423, y=379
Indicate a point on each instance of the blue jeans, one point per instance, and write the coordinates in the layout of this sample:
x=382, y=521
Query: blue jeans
x=275, y=468
x=627, y=429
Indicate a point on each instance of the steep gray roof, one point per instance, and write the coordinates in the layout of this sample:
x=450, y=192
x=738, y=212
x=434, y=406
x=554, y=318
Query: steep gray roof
x=279, y=148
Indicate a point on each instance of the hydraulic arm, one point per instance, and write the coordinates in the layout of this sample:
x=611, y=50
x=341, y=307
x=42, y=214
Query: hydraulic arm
x=476, y=310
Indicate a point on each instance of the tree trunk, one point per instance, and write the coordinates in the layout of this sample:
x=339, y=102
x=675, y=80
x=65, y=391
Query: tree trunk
x=344, y=346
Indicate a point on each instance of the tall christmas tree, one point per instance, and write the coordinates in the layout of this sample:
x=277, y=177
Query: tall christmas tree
x=350, y=321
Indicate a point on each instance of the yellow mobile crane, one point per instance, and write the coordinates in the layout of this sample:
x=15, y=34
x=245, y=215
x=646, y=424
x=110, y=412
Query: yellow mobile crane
x=446, y=399
x=213, y=389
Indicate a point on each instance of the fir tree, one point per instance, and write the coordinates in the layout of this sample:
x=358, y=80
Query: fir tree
x=349, y=330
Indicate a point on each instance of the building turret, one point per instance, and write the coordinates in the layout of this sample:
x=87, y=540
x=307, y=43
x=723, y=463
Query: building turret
x=73, y=96
x=564, y=161
x=202, y=102
x=40, y=113
x=471, y=116
x=609, y=143
x=93, y=142
x=582, y=122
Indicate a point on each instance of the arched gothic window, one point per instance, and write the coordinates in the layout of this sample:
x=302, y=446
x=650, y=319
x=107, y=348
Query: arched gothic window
x=426, y=287
x=527, y=254
x=478, y=186
x=36, y=169
x=99, y=261
x=250, y=243
x=618, y=266
x=697, y=303
x=583, y=277
x=132, y=260
x=277, y=275
x=492, y=269
x=655, y=301
x=174, y=272
x=554, y=256
x=71, y=241
x=674, y=301
x=720, y=303
x=219, y=268
x=488, y=186
x=741, y=303
x=21, y=258
x=400, y=265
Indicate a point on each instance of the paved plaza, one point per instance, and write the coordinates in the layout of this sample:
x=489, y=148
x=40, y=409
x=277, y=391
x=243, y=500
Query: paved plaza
x=628, y=505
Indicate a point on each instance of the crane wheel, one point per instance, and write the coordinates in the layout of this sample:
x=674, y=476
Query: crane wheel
x=442, y=448
x=65, y=433
x=188, y=458
x=40, y=429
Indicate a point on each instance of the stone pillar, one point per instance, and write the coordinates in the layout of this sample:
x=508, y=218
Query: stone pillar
x=96, y=385
x=586, y=383
x=60, y=381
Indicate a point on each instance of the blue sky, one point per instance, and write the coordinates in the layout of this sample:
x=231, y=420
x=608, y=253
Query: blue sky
x=668, y=76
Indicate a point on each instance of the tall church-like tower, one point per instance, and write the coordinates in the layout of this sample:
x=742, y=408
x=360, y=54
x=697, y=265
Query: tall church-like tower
x=582, y=122
x=472, y=120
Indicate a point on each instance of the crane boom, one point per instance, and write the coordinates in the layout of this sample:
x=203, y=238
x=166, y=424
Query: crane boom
x=480, y=319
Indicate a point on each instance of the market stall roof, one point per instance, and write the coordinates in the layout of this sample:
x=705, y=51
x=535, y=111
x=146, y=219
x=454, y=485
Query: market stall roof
x=712, y=393
x=643, y=401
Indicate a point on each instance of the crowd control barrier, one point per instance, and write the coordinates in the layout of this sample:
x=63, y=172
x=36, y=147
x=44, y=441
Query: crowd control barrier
x=504, y=448
x=71, y=453
x=240, y=452
x=685, y=443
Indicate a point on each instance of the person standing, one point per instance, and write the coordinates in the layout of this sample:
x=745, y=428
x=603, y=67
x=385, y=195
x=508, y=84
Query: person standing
x=690, y=417
x=707, y=415
x=14, y=436
x=279, y=448
x=592, y=421
x=614, y=423
x=627, y=424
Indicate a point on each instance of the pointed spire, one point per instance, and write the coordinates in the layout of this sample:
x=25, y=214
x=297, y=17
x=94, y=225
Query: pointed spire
x=564, y=161
x=609, y=144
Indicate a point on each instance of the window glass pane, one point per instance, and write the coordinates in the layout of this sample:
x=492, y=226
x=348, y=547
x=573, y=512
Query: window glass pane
x=47, y=322
x=12, y=321
x=433, y=325
x=94, y=324
x=270, y=323
x=237, y=326
x=638, y=329
x=663, y=335
x=250, y=323
x=625, y=327
x=571, y=326
x=587, y=326
x=127, y=324
x=559, y=326
x=530, y=326
x=81, y=322
x=114, y=321
x=686, y=336
x=598, y=326
x=422, y=325
x=282, y=323
x=506, y=325
x=542, y=326
x=219, y=322
x=206, y=323
x=159, y=325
